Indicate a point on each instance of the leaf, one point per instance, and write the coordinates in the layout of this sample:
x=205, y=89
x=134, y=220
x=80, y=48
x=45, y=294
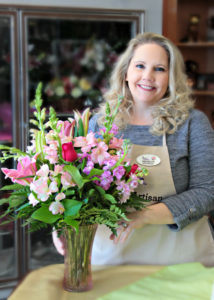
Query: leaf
x=100, y=190
x=12, y=187
x=4, y=200
x=95, y=172
x=23, y=206
x=110, y=198
x=16, y=200
x=70, y=192
x=72, y=207
x=80, y=128
x=69, y=221
x=43, y=214
x=76, y=176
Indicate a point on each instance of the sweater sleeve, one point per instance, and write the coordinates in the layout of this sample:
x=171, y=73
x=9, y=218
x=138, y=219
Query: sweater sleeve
x=198, y=199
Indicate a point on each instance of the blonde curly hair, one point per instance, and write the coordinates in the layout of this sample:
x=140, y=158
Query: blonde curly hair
x=172, y=110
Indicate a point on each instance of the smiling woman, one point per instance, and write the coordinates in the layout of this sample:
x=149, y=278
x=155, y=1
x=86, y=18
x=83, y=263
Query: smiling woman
x=157, y=116
x=147, y=78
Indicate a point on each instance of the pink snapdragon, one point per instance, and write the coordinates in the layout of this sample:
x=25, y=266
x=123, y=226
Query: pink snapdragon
x=51, y=153
x=89, y=167
x=105, y=180
x=99, y=154
x=125, y=191
x=118, y=172
x=25, y=167
x=134, y=181
x=109, y=163
x=114, y=129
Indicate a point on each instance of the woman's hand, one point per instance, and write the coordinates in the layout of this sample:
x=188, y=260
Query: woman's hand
x=58, y=243
x=153, y=214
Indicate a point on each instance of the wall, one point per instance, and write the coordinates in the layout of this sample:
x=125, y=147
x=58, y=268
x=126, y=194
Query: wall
x=153, y=8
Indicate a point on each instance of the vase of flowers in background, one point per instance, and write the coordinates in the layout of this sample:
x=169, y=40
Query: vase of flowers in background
x=71, y=180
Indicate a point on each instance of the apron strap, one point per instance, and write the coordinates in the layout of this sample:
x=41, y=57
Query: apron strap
x=164, y=139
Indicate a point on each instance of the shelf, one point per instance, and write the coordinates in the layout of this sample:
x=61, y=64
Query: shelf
x=196, y=44
x=203, y=93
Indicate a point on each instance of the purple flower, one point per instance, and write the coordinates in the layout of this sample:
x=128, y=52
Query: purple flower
x=114, y=129
x=119, y=172
x=106, y=180
x=109, y=164
x=89, y=167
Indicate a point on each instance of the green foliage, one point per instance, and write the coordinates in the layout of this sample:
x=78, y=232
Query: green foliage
x=44, y=215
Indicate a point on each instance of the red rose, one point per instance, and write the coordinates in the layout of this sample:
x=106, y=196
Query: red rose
x=134, y=168
x=68, y=152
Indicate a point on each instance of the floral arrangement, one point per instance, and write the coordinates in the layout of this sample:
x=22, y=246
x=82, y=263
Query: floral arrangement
x=69, y=177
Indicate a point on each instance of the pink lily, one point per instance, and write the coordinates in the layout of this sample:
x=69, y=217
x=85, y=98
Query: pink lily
x=26, y=167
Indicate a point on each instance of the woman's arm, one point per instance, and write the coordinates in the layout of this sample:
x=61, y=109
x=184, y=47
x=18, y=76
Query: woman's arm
x=153, y=214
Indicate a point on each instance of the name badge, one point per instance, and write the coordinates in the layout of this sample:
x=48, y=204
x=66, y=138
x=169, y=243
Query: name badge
x=148, y=160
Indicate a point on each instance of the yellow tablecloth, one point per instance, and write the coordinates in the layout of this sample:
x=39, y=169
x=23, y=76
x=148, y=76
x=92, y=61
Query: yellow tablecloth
x=46, y=283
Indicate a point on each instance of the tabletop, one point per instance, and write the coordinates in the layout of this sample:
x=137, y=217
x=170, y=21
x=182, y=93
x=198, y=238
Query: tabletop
x=46, y=283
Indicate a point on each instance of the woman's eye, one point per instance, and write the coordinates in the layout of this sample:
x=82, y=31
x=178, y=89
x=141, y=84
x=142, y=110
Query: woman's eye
x=139, y=66
x=159, y=69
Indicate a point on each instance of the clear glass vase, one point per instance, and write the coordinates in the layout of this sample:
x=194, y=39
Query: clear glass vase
x=77, y=259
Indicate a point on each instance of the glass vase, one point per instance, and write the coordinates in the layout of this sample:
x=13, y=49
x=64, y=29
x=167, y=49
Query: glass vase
x=77, y=259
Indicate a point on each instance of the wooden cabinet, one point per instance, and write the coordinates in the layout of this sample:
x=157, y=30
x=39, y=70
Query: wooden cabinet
x=190, y=25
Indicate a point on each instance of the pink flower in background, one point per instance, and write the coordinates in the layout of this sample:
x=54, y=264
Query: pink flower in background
x=99, y=154
x=56, y=208
x=25, y=168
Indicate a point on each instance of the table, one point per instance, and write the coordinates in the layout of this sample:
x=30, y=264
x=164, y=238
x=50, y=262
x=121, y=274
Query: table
x=46, y=283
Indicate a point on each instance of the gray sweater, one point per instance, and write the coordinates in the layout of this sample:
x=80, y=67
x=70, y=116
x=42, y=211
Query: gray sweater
x=191, y=151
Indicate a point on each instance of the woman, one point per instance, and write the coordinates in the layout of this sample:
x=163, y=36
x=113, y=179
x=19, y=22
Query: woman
x=157, y=116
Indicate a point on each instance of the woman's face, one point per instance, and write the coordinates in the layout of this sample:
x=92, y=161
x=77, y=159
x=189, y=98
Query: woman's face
x=148, y=74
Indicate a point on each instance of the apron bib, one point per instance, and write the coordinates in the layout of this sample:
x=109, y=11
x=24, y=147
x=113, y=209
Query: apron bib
x=156, y=244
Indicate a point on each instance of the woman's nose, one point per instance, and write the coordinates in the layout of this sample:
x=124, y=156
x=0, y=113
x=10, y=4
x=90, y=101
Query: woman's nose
x=148, y=75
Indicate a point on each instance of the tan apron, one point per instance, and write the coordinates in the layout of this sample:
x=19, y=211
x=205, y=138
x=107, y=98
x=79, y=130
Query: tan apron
x=156, y=244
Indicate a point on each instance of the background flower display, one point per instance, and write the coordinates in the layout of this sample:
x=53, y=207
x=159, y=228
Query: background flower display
x=83, y=86
x=69, y=177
